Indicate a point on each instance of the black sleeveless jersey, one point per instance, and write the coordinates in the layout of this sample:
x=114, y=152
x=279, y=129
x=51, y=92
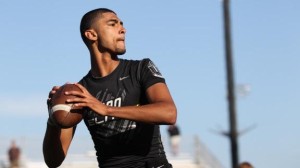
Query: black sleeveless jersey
x=119, y=142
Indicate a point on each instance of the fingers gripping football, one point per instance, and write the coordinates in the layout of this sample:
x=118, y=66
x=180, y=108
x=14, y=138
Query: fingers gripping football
x=85, y=99
x=64, y=113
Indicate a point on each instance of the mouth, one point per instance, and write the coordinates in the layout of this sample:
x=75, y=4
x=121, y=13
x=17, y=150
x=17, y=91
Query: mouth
x=121, y=39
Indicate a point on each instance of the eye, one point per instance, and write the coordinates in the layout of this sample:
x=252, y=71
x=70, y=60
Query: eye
x=112, y=23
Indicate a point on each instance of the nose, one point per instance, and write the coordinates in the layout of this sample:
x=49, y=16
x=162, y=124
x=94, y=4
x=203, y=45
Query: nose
x=122, y=30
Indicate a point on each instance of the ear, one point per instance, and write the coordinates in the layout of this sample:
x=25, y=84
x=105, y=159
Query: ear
x=91, y=35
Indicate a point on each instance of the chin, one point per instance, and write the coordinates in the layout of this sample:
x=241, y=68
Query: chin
x=121, y=52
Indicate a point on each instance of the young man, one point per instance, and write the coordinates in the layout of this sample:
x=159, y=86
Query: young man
x=174, y=135
x=14, y=154
x=124, y=102
x=245, y=165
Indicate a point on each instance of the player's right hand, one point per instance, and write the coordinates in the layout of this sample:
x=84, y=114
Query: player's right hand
x=49, y=105
x=51, y=93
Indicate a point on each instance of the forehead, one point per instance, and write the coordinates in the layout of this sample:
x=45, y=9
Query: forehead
x=108, y=16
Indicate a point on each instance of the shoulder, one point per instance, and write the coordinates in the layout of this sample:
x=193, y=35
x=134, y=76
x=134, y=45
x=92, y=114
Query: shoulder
x=135, y=65
x=148, y=65
x=82, y=81
x=134, y=62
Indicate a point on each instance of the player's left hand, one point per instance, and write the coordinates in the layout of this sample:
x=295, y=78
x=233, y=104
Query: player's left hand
x=85, y=99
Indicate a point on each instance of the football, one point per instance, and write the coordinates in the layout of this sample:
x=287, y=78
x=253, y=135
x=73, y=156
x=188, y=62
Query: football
x=65, y=115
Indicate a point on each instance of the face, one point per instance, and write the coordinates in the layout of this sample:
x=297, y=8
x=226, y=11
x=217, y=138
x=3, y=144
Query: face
x=111, y=34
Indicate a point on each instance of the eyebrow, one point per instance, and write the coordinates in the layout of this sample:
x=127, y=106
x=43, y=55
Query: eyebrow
x=115, y=21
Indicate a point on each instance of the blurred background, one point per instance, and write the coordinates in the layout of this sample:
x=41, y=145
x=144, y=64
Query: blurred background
x=41, y=47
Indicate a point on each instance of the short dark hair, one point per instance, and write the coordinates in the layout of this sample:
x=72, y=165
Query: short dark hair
x=89, y=18
x=245, y=164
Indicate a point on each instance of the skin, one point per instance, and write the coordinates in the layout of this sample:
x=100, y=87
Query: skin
x=245, y=165
x=106, y=42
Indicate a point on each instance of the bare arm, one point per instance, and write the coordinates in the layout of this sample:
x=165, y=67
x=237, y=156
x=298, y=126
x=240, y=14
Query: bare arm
x=56, y=144
x=160, y=110
x=56, y=140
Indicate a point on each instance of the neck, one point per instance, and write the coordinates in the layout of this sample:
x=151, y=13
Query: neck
x=103, y=64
